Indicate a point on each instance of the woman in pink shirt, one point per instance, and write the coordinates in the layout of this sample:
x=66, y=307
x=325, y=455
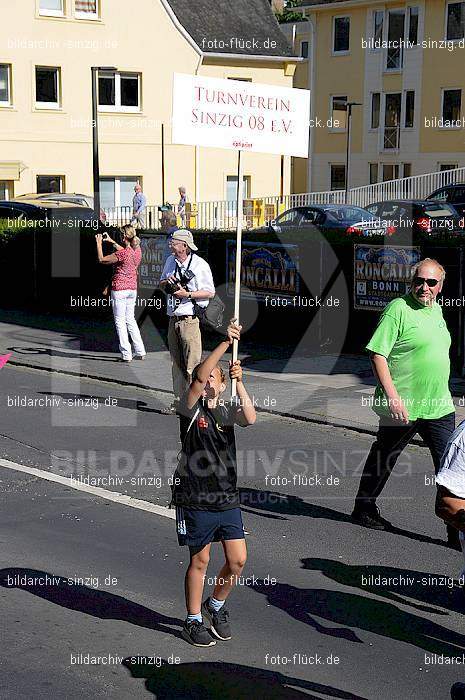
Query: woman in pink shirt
x=126, y=260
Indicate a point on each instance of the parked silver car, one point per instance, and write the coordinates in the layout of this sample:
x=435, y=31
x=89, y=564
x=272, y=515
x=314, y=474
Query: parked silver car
x=85, y=200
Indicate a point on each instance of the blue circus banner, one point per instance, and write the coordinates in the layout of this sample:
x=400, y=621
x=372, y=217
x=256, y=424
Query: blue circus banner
x=381, y=274
x=267, y=269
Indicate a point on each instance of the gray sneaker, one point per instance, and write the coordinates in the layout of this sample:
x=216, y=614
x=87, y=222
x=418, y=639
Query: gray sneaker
x=219, y=621
x=196, y=633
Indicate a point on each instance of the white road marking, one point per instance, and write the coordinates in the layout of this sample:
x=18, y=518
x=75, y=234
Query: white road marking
x=114, y=496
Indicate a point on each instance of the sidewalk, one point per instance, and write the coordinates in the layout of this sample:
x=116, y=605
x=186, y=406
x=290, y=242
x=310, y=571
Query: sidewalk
x=326, y=389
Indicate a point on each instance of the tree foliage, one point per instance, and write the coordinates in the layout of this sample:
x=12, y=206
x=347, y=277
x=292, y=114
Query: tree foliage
x=288, y=15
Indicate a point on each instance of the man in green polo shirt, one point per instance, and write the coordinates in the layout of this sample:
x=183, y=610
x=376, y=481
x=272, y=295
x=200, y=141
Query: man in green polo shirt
x=409, y=352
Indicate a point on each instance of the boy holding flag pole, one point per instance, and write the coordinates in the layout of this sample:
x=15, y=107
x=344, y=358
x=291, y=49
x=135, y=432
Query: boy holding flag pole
x=205, y=486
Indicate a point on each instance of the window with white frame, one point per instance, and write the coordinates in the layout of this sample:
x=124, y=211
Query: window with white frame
x=5, y=84
x=47, y=87
x=373, y=173
x=338, y=176
x=231, y=192
x=119, y=92
x=390, y=171
x=375, y=109
x=451, y=107
x=338, y=111
x=86, y=9
x=409, y=112
x=407, y=170
x=341, y=34
x=6, y=189
x=50, y=183
x=118, y=191
x=455, y=21
x=413, y=25
x=378, y=21
x=396, y=30
x=52, y=8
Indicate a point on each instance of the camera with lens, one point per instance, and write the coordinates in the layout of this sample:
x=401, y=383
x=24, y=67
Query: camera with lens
x=183, y=278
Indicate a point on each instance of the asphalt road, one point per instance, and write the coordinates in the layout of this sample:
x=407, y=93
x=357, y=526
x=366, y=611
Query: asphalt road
x=325, y=609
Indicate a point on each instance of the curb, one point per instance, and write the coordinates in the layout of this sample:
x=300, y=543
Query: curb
x=312, y=419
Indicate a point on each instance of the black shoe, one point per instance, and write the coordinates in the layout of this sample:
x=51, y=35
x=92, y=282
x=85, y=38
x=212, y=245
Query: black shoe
x=219, y=621
x=196, y=633
x=370, y=517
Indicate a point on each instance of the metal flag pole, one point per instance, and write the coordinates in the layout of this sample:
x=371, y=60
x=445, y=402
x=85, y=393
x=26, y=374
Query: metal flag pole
x=237, y=288
x=163, y=164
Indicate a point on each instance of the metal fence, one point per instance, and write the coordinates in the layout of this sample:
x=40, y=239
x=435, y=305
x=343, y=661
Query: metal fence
x=415, y=187
x=119, y=216
x=222, y=214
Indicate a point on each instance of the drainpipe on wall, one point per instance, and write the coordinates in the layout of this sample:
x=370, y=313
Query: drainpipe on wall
x=196, y=150
x=312, y=106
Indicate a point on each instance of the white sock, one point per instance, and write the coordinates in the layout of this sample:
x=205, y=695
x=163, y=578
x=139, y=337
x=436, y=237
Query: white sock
x=215, y=604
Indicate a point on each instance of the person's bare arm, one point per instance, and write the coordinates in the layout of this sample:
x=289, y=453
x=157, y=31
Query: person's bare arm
x=205, y=368
x=104, y=259
x=116, y=245
x=245, y=413
x=382, y=374
x=448, y=507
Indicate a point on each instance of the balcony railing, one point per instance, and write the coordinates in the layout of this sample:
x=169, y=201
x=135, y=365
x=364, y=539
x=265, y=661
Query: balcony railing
x=391, y=138
x=394, y=58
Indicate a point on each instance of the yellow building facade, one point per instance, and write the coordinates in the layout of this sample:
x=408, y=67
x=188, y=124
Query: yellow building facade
x=47, y=50
x=404, y=63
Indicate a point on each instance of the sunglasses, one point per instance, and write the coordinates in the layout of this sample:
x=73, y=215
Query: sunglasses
x=430, y=281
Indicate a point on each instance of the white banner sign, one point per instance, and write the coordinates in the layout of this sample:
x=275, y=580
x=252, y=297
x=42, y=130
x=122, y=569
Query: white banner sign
x=240, y=115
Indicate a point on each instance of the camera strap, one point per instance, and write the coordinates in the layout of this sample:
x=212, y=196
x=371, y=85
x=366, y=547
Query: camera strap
x=177, y=274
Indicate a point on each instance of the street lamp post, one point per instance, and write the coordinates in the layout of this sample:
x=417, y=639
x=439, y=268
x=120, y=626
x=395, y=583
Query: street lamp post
x=349, y=106
x=95, y=156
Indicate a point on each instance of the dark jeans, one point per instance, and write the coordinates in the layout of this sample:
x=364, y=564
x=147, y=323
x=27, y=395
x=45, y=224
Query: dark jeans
x=391, y=439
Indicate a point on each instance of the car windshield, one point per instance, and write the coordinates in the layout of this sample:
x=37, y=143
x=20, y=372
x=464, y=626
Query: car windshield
x=439, y=209
x=355, y=214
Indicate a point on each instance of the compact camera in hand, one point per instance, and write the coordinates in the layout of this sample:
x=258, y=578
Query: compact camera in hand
x=183, y=279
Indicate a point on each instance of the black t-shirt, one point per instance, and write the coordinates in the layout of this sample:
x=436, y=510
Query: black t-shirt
x=207, y=466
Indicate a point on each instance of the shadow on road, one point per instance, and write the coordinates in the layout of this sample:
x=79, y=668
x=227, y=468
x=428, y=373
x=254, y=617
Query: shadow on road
x=131, y=404
x=363, y=613
x=91, y=601
x=282, y=504
x=220, y=680
x=422, y=586
x=54, y=352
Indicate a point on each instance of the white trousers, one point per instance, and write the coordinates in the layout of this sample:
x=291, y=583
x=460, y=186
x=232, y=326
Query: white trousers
x=124, y=303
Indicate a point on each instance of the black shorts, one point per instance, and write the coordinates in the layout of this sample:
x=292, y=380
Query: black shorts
x=197, y=528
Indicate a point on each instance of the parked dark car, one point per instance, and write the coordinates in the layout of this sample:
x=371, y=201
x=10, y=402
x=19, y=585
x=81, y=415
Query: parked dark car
x=452, y=194
x=37, y=210
x=325, y=218
x=411, y=216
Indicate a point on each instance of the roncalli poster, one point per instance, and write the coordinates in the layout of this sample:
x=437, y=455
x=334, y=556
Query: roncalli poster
x=381, y=274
